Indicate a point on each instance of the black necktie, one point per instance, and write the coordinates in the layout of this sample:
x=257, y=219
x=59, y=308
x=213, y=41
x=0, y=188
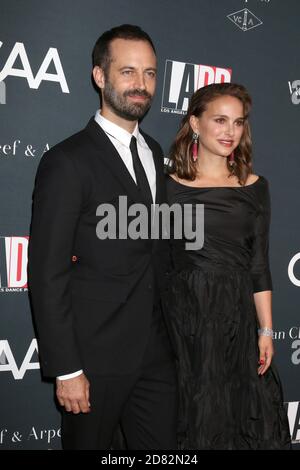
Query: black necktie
x=141, y=178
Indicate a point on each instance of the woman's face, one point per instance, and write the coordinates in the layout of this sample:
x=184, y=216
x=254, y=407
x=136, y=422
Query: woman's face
x=220, y=127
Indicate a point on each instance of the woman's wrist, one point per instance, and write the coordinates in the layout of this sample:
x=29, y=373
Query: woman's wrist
x=265, y=331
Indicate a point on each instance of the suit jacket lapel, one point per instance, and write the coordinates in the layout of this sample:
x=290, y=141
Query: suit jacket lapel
x=111, y=158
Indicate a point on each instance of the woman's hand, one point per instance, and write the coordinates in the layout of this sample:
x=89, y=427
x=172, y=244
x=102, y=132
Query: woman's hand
x=266, y=353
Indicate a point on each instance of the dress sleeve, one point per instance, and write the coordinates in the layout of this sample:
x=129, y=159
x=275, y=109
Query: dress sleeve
x=260, y=269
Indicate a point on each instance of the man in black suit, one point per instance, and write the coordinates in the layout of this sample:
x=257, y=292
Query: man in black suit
x=96, y=302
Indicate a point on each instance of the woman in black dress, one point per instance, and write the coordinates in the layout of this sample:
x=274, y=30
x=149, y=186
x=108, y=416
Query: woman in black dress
x=219, y=297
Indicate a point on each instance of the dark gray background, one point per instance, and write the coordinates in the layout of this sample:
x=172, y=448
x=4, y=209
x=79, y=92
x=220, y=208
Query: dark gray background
x=264, y=59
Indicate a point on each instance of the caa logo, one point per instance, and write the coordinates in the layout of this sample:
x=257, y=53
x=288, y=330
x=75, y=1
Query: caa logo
x=13, y=264
x=8, y=363
x=293, y=412
x=291, y=269
x=2, y=93
x=182, y=79
x=18, y=54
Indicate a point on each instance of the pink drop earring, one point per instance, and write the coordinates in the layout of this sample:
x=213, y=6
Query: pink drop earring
x=231, y=159
x=195, y=146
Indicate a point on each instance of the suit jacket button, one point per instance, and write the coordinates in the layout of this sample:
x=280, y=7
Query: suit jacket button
x=74, y=259
x=150, y=286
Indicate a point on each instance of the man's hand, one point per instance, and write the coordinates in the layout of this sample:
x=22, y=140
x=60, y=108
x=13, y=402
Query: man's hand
x=74, y=394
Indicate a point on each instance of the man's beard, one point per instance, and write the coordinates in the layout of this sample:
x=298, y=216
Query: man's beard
x=124, y=109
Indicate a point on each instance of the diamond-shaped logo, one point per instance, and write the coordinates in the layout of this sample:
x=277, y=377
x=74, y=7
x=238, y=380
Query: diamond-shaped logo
x=244, y=19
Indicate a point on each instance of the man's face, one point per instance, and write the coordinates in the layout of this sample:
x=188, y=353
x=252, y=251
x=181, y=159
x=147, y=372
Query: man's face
x=129, y=83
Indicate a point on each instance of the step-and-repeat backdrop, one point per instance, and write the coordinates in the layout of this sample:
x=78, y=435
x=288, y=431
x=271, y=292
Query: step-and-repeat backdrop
x=46, y=95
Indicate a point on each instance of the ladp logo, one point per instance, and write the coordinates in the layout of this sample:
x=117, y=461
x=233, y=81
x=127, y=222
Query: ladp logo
x=181, y=80
x=295, y=91
x=13, y=263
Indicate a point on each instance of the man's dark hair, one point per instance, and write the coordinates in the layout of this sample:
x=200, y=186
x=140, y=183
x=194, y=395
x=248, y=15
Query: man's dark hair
x=101, y=52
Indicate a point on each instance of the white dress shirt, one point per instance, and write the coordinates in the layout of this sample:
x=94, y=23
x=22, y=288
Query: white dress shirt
x=121, y=139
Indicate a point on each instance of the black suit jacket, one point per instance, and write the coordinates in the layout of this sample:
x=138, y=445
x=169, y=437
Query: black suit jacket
x=94, y=312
